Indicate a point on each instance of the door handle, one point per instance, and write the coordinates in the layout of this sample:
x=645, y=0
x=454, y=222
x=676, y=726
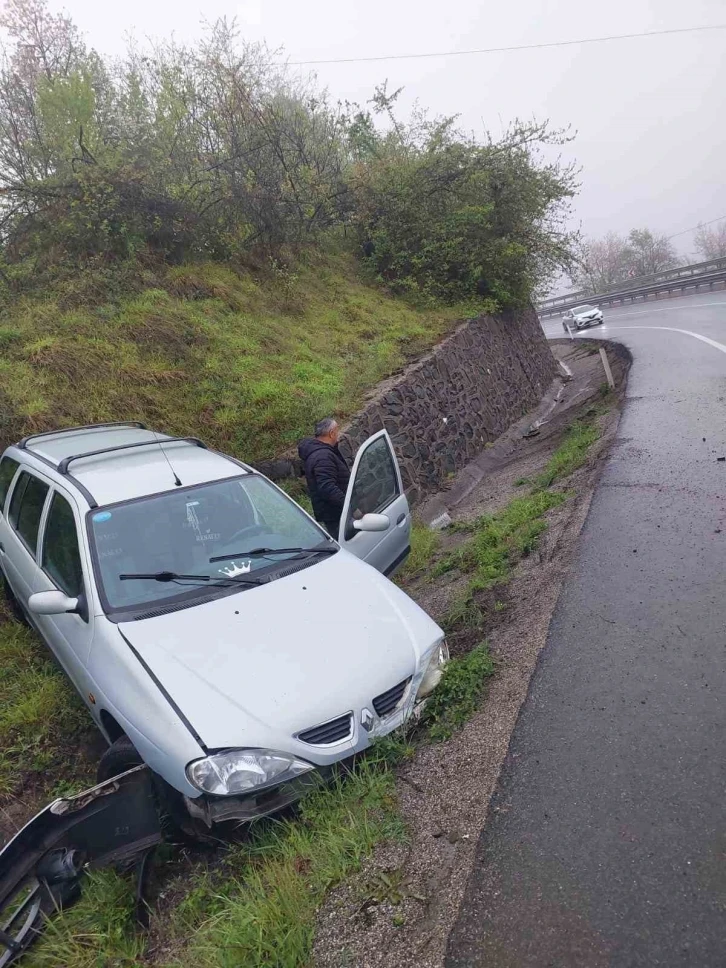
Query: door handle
x=401, y=518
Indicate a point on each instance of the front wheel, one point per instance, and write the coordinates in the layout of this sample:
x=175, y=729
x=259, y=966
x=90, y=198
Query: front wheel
x=121, y=756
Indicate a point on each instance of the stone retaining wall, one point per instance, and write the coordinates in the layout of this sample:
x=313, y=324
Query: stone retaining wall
x=442, y=410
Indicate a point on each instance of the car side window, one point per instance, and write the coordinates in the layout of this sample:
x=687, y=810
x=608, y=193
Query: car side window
x=61, y=558
x=26, y=508
x=376, y=481
x=8, y=467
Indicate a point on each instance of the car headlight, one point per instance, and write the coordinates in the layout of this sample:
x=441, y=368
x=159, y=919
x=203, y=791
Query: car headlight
x=434, y=670
x=241, y=771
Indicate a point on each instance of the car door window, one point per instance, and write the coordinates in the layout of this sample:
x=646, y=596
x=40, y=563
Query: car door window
x=61, y=558
x=376, y=481
x=8, y=467
x=26, y=508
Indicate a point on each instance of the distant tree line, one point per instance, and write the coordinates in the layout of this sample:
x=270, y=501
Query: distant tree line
x=216, y=150
x=604, y=263
x=710, y=241
x=614, y=259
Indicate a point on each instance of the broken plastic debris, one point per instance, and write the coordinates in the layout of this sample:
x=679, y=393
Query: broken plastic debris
x=442, y=521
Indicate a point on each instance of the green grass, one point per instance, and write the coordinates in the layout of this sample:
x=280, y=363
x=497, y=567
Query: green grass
x=235, y=357
x=424, y=545
x=459, y=693
x=496, y=543
x=499, y=540
x=40, y=717
x=570, y=455
x=97, y=932
x=265, y=913
x=258, y=906
x=296, y=489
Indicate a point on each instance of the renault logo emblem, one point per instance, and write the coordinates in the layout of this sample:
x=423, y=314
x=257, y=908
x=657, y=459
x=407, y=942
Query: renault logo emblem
x=366, y=720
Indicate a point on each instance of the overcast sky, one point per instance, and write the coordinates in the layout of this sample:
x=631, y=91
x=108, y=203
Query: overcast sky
x=649, y=113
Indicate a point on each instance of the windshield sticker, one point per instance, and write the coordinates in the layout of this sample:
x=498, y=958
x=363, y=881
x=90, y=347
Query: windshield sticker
x=102, y=516
x=193, y=518
x=235, y=569
x=110, y=553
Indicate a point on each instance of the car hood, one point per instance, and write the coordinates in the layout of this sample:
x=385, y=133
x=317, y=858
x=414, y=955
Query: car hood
x=256, y=667
x=588, y=315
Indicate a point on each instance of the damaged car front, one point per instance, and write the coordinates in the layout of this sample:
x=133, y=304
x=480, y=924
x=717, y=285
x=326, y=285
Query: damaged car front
x=279, y=694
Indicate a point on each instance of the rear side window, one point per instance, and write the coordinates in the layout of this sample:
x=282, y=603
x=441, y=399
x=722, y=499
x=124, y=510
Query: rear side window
x=7, y=473
x=61, y=557
x=26, y=508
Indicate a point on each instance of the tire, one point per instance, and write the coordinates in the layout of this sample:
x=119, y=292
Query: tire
x=118, y=758
x=14, y=605
x=176, y=823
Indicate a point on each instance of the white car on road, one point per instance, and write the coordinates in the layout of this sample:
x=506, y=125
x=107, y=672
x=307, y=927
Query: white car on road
x=581, y=317
x=213, y=629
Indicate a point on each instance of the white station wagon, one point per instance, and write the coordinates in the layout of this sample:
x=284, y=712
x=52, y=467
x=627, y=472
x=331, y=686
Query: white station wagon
x=211, y=626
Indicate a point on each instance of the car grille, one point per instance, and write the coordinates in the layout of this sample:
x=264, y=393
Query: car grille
x=387, y=701
x=331, y=732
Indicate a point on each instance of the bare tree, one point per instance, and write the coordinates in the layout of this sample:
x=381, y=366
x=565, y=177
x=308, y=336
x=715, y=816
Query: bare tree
x=710, y=241
x=608, y=262
x=602, y=263
x=648, y=253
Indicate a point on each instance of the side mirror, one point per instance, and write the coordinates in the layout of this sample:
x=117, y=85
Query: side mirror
x=372, y=522
x=52, y=603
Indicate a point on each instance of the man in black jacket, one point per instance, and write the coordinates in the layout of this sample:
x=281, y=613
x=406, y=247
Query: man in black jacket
x=326, y=472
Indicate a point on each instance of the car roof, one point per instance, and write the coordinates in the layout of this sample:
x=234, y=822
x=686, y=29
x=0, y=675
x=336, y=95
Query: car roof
x=124, y=474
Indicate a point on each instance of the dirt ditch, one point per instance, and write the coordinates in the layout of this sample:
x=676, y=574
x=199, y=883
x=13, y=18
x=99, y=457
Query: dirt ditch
x=401, y=907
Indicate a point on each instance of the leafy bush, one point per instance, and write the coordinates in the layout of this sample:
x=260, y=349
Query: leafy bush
x=214, y=151
x=452, y=218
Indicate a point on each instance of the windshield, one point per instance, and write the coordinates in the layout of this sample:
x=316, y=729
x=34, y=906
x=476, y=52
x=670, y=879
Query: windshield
x=179, y=531
x=582, y=309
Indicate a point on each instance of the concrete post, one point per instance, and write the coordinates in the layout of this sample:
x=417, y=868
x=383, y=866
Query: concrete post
x=606, y=367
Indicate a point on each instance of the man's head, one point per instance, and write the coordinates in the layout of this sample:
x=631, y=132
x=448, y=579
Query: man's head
x=327, y=431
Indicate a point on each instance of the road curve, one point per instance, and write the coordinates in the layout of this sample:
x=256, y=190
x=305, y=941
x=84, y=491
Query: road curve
x=606, y=840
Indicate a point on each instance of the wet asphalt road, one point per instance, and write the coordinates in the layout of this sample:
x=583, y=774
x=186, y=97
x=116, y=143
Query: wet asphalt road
x=606, y=843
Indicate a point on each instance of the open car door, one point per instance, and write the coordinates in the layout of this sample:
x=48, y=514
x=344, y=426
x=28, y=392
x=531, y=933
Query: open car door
x=376, y=521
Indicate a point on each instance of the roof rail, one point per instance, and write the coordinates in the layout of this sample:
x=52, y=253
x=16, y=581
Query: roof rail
x=67, y=430
x=65, y=463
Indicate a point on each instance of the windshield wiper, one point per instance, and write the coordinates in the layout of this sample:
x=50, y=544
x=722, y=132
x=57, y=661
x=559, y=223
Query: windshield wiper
x=263, y=552
x=169, y=576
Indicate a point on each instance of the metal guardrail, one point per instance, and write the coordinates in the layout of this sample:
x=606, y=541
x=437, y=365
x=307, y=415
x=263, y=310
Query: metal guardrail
x=550, y=307
x=558, y=301
x=674, y=284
